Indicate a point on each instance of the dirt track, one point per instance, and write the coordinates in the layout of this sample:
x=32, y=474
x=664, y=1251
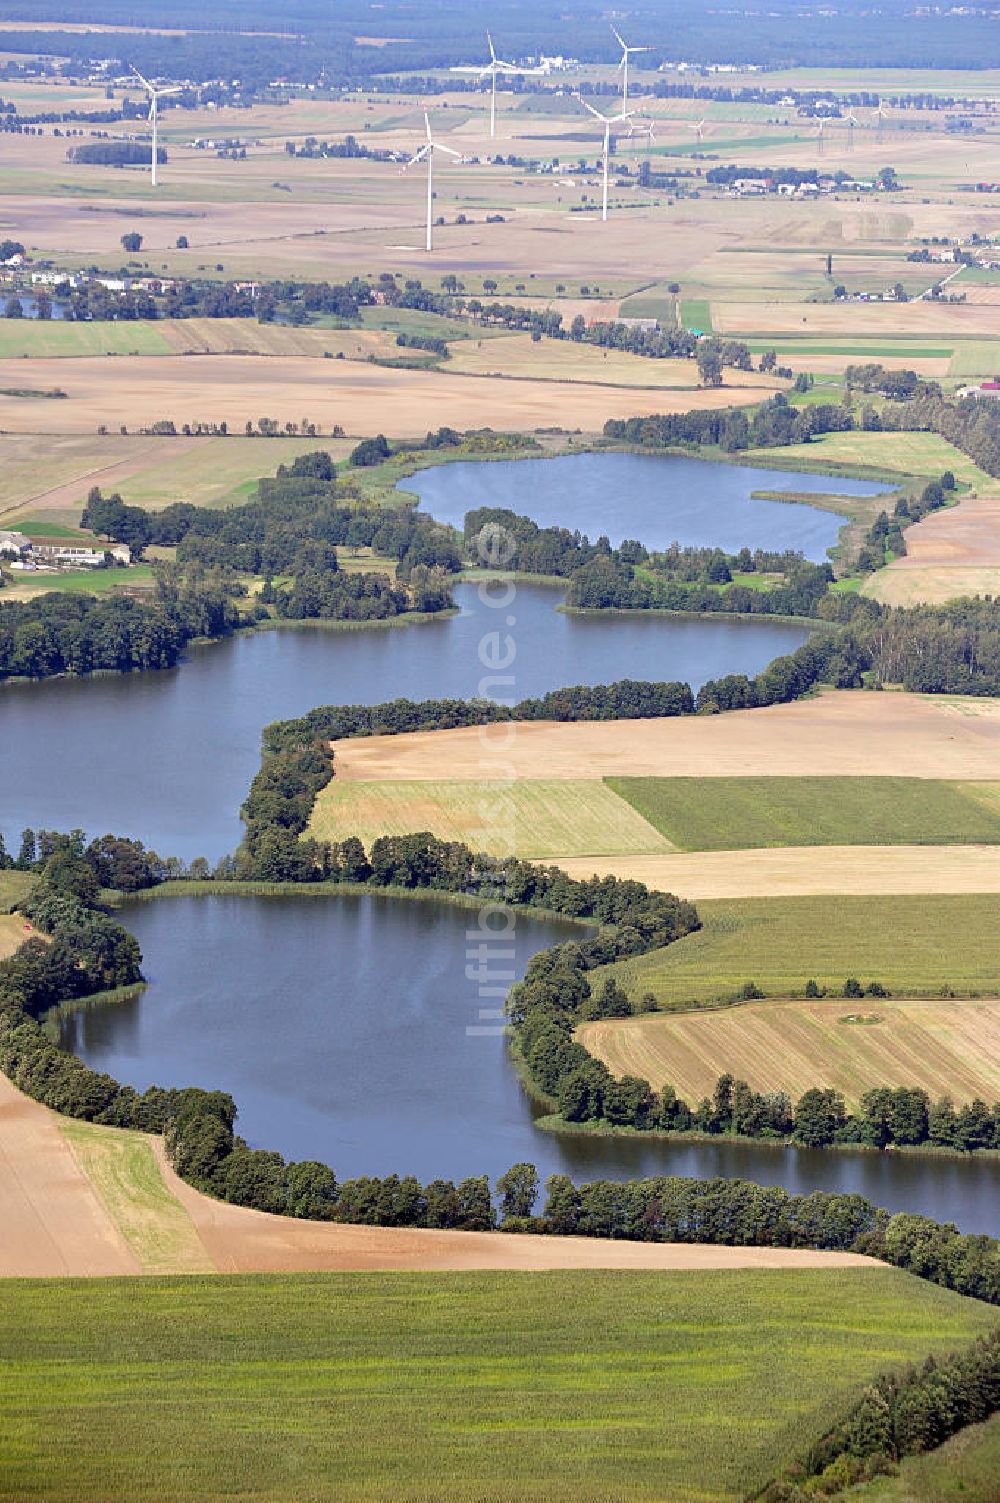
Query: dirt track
x=53, y=1224
x=842, y=733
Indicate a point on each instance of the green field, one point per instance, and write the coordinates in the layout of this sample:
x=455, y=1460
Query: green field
x=964, y=1470
x=56, y=337
x=696, y=313
x=536, y=818
x=913, y=945
x=81, y=581
x=721, y=814
x=791, y=345
x=14, y=887
x=579, y=1387
x=908, y=453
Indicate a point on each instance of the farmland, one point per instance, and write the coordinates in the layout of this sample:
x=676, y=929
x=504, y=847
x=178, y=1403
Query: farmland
x=715, y=814
x=407, y=1384
x=946, y=1048
x=535, y=818
x=913, y=945
x=905, y=453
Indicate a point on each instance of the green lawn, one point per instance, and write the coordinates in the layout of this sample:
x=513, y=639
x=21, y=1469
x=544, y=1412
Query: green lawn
x=964, y=1470
x=693, y=1387
x=721, y=814
x=913, y=945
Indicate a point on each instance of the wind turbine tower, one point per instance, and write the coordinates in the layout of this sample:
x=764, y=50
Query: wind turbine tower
x=155, y=95
x=495, y=66
x=427, y=151
x=607, y=121
x=623, y=65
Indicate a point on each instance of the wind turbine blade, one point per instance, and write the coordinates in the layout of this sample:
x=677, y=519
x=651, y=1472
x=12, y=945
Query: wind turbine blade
x=640, y=49
x=620, y=40
x=489, y=38
x=144, y=81
x=427, y=125
x=472, y=68
x=503, y=67
x=596, y=113
x=440, y=146
x=418, y=157
x=176, y=90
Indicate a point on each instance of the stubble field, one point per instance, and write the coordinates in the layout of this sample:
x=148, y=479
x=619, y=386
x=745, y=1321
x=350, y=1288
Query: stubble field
x=946, y=1048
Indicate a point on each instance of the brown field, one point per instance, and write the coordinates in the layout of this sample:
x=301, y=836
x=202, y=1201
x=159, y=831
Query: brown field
x=842, y=732
x=947, y=1048
x=55, y=1223
x=245, y=336
x=803, y=870
x=950, y=553
x=888, y=320
x=361, y=398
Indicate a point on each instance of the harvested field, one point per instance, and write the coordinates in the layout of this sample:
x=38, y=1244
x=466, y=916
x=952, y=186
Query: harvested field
x=913, y=945
x=79, y=1200
x=874, y=869
x=54, y=1223
x=842, y=733
x=950, y=553
x=51, y=476
x=718, y=814
x=45, y=339
x=887, y=321
x=464, y=1386
x=532, y=818
x=235, y=388
x=14, y=930
x=945, y=1048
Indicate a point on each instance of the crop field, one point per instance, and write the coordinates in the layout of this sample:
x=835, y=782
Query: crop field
x=139, y=391
x=696, y=1386
x=49, y=477
x=530, y=817
x=516, y=356
x=717, y=814
x=907, y=453
x=947, y=1048
x=913, y=945
x=79, y=582
x=53, y=338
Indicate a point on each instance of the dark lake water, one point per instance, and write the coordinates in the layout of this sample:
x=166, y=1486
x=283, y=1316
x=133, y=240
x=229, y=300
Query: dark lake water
x=658, y=499
x=169, y=756
x=341, y=1026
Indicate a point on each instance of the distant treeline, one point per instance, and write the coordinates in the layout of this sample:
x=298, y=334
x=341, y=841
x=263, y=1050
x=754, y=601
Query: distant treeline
x=116, y=153
x=91, y=952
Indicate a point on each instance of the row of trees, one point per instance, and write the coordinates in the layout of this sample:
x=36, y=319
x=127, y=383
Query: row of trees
x=899, y=1415
x=90, y=951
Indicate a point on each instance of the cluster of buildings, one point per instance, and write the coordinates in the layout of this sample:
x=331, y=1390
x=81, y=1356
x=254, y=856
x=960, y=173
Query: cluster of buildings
x=759, y=187
x=27, y=553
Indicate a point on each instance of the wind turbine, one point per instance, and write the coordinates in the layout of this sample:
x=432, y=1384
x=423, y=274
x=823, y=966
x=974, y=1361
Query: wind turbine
x=851, y=123
x=699, y=130
x=821, y=127
x=880, y=115
x=428, y=150
x=623, y=65
x=154, y=95
x=608, y=121
x=493, y=67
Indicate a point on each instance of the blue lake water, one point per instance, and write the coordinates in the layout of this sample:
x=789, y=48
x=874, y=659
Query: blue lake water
x=659, y=499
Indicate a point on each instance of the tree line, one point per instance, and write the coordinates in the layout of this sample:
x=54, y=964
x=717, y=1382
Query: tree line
x=91, y=952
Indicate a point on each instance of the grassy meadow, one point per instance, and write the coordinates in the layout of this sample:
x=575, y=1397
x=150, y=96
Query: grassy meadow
x=720, y=814
x=907, y=453
x=916, y=945
x=946, y=1047
x=14, y=888
x=964, y=1470
x=695, y=1386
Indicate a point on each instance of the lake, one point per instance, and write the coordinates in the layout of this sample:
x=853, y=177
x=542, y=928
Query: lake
x=168, y=756
x=341, y=1025
x=658, y=499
